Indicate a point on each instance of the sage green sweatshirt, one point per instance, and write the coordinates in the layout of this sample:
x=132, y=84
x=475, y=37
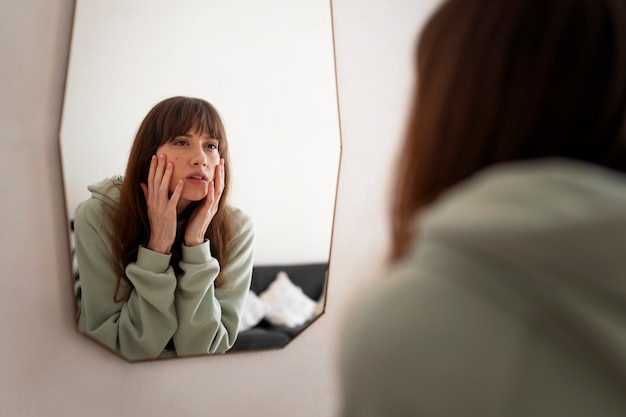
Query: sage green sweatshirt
x=161, y=306
x=511, y=301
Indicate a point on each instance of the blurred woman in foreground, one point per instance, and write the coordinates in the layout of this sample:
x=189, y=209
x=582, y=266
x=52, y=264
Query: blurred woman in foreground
x=506, y=292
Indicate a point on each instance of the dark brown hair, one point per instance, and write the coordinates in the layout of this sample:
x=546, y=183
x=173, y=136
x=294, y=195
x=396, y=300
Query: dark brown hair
x=130, y=223
x=511, y=80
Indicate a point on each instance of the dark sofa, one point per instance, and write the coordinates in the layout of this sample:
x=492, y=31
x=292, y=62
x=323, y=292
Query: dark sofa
x=310, y=277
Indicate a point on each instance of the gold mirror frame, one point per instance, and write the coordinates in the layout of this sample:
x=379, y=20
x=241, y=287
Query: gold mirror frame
x=89, y=109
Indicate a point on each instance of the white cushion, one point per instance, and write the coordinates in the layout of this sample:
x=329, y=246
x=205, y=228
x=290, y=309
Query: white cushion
x=253, y=312
x=288, y=304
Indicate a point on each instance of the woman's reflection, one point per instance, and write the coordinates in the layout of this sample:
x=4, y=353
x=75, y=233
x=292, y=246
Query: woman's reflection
x=165, y=263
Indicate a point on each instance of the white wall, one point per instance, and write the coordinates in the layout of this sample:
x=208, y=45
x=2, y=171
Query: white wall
x=47, y=368
x=268, y=68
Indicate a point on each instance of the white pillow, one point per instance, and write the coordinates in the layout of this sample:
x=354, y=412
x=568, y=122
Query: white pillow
x=253, y=312
x=288, y=304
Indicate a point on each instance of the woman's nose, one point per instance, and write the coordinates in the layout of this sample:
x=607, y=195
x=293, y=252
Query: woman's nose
x=198, y=157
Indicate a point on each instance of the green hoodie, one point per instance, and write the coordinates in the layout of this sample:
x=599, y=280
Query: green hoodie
x=162, y=305
x=510, y=301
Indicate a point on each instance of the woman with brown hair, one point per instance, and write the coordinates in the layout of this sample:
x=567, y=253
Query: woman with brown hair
x=506, y=293
x=164, y=262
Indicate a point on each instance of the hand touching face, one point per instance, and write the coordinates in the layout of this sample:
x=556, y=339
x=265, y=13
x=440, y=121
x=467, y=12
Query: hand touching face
x=162, y=208
x=198, y=174
x=203, y=214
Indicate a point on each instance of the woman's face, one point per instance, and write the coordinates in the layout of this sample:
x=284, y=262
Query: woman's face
x=195, y=156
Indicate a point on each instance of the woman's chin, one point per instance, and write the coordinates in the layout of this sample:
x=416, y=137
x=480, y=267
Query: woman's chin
x=191, y=197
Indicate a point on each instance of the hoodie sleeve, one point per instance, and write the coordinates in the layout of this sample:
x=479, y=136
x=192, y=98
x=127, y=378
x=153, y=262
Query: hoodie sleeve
x=140, y=324
x=208, y=317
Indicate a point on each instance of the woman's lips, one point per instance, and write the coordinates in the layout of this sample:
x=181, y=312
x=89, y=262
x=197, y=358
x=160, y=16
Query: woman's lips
x=197, y=178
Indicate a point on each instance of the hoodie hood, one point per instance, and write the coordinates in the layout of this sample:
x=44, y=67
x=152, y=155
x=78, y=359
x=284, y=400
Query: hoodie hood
x=107, y=190
x=562, y=213
x=551, y=234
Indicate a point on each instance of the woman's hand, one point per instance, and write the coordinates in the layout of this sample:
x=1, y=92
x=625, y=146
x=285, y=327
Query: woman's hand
x=203, y=214
x=161, y=207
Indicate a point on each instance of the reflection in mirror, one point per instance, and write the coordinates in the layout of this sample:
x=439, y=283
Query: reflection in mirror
x=267, y=67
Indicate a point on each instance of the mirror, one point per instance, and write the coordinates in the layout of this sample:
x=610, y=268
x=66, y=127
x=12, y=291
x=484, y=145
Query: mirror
x=268, y=68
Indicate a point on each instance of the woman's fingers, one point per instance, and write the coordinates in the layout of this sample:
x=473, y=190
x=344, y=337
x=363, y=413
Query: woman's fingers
x=164, y=185
x=222, y=175
x=161, y=207
x=214, y=192
x=159, y=172
x=159, y=177
x=176, y=194
x=218, y=181
x=203, y=214
x=216, y=188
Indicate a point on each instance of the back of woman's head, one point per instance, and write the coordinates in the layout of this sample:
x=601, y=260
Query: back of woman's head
x=503, y=80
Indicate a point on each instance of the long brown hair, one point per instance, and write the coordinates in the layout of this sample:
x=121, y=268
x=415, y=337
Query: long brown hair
x=130, y=223
x=511, y=80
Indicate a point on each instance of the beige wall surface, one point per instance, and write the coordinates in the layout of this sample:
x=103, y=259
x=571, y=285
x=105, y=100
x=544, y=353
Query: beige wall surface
x=47, y=369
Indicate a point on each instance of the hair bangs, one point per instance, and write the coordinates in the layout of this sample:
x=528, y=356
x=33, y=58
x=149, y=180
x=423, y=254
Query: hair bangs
x=188, y=114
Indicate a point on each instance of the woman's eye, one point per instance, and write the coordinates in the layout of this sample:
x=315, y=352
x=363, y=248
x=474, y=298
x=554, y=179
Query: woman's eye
x=180, y=142
x=211, y=146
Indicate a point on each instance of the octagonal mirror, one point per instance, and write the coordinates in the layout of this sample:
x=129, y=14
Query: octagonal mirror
x=267, y=68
